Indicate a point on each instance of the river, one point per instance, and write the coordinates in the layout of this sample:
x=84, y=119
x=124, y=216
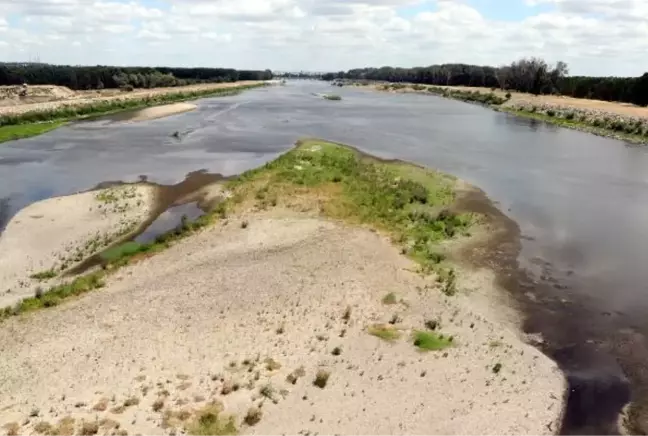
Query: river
x=581, y=202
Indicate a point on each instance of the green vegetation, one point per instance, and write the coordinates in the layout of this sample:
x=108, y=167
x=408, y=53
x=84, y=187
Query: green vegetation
x=124, y=250
x=56, y=294
x=431, y=341
x=332, y=97
x=410, y=203
x=21, y=131
x=385, y=332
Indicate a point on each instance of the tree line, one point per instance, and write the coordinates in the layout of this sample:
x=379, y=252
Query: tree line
x=532, y=75
x=99, y=77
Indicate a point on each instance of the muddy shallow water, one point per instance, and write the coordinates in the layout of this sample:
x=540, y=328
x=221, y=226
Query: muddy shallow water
x=581, y=202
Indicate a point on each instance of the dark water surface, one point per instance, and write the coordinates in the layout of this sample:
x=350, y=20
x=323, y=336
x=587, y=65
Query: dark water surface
x=581, y=202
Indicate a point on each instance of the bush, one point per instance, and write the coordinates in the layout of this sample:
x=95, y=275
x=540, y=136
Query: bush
x=508, y=95
x=570, y=115
x=551, y=113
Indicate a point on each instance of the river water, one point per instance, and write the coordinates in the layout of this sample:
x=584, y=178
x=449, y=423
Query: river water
x=581, y=201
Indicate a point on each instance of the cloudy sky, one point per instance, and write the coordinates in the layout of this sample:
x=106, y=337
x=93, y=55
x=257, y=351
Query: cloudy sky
x=595, y=37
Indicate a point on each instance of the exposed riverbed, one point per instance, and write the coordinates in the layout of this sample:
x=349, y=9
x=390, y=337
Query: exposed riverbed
x=581, y=201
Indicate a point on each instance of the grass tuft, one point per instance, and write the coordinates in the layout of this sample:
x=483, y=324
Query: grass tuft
x=253, y=416
x=44, y=275
x=431, y=341
x=208, y=421
x=390, y=299
x=321, y=378
x=385, y=332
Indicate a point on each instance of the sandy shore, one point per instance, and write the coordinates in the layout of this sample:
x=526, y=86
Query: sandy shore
x=55, y=234
x=57, y=96
x=246, y=316
x=152, y=113
x=518, y=98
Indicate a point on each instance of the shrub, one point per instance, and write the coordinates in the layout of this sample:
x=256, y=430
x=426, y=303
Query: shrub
x=551, y=112
x=570, y=115
x=508, y=95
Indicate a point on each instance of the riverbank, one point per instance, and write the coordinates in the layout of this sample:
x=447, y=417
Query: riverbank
x=389, y=333
x=17, y=122
x=49, y=237
x=614, y=120
x=166, y=110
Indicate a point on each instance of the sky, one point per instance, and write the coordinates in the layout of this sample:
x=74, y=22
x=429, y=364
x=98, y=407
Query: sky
x=594, y=37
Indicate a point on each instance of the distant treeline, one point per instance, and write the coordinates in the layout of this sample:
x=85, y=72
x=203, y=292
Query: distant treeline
x=531, y=75
x=100, y=77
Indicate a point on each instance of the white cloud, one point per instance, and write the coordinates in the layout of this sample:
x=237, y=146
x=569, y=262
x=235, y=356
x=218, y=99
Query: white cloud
x=325, y=34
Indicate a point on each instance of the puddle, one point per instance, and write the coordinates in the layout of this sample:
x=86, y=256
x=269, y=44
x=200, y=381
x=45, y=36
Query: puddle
x=169, y=220
x=173, y=202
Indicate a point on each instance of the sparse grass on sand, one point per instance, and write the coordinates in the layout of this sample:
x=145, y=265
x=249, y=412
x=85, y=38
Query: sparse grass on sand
x=410, y=203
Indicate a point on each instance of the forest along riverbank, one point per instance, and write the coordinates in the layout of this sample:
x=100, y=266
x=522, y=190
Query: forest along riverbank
x=23, y=121
x=391, y=333
x=614, y=120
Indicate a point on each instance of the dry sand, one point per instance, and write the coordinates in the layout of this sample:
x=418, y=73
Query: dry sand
x=152, y=113
x=59, y=232
x=199, y=320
